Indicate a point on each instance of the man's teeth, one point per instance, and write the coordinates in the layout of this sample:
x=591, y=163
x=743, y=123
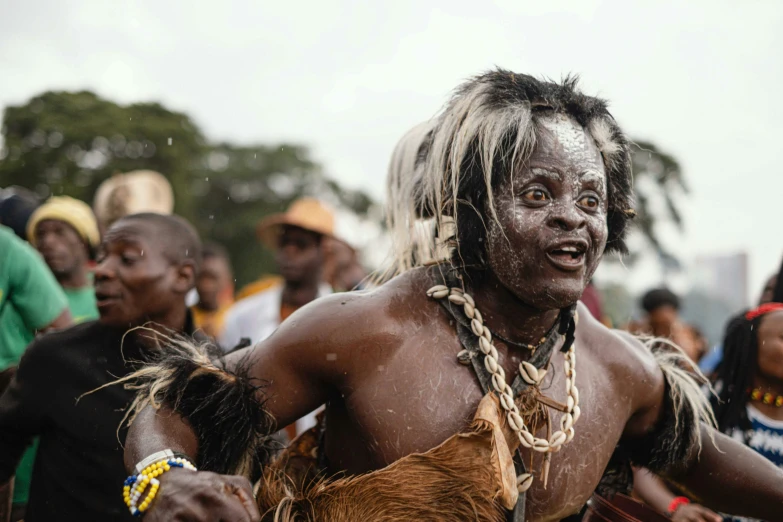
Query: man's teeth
x=570, y=249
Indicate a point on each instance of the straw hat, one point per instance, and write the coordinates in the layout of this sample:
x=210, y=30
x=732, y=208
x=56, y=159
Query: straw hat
x=307, y=213
x=131, y=193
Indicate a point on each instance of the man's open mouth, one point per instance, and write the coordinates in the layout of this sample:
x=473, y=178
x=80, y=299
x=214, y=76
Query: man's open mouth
x=568, y=257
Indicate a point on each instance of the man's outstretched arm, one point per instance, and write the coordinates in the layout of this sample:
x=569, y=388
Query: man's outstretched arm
x=295, y=377
x=723, y=475
x=732, y=478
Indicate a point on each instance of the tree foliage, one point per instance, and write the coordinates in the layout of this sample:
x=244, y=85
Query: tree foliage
x=69, y=142
x=657, y=176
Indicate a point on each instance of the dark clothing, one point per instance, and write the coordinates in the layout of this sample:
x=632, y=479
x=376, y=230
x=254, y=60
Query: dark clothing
x=79, y=471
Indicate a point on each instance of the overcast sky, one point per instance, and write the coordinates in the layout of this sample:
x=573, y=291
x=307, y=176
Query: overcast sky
x=349, y=78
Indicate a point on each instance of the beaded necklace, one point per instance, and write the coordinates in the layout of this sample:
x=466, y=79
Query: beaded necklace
x=766, y=398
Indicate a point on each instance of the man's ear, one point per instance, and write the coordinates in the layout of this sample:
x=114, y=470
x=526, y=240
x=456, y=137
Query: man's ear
x=186, y=278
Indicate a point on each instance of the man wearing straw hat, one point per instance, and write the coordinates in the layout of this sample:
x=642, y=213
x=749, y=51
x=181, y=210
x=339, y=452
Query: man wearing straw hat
x=297, y=238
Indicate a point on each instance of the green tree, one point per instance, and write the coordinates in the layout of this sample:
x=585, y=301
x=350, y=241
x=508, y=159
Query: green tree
x=657, y=174
x=68, y=143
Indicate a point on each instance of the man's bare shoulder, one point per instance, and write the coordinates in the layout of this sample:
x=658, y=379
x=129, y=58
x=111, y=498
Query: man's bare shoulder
x=624, y=352
x=345, y=324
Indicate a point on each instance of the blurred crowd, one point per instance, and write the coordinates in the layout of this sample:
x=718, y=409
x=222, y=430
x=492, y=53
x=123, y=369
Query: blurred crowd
x=64, y=262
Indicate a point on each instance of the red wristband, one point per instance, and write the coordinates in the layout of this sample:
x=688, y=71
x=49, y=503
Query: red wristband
x=676, y=503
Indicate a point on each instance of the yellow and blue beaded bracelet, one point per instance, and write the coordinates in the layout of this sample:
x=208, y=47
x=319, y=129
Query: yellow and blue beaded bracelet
x=135, y=485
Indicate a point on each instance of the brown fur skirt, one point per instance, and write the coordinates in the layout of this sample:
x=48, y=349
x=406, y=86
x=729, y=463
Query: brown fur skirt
x=470, y=477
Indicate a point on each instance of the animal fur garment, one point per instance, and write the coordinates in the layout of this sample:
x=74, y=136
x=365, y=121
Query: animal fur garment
x=470, y=477
x=676, y=442
x=224, y=407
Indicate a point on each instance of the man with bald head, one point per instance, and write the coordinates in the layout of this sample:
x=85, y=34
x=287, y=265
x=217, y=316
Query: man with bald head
x=146, y=265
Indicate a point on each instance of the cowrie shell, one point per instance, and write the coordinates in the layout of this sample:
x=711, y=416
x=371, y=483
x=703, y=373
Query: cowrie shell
x=498, y=382
x=490, y=364
x=557, y=438
x=493, y=352
x=524, y=482
x=476, y=326
x=529, y=373
x=437, y=288
x=486, y=333
x=541, y=446
x=513, y=422
x=457, y=299
x=506, y=402
x=484, y=346
x=577, y=411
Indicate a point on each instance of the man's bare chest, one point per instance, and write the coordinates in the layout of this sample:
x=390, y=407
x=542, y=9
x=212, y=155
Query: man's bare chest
x=415, y=400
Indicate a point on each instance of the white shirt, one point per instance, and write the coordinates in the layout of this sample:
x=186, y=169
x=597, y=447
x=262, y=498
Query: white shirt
x=256, y=317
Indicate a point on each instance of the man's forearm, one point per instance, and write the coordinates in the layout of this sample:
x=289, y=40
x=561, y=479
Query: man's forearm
x=156, y=430
x=735, y=479
x=651, y=489
x=6, y=498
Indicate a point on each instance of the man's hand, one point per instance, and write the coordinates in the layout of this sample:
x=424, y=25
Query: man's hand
x=203, y=497
x=695, y=513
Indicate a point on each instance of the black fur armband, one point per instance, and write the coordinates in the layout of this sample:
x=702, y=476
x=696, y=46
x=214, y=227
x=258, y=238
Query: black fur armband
x=672, y=445
x=224, y=406
x=676, y=441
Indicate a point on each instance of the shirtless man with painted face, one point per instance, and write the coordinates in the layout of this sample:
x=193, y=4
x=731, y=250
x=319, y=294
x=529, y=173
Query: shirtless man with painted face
x=537, y=178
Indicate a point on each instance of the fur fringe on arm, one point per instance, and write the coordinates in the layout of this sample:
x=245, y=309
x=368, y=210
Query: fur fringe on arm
x=224, y=406
x=677, y=439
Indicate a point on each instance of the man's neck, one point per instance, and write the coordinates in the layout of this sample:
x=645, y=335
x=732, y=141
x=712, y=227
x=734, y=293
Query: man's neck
x=299, y=294
x=174, y=320
x=207, y=307
x=76, y=279
x=507, y=316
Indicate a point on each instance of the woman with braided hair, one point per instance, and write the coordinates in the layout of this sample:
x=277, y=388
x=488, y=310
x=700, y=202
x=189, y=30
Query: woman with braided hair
x=749, y=382
x=478, y=388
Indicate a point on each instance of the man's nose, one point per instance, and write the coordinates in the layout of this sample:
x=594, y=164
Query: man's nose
x=45, y=240
x=565, y=216
x=104, y=270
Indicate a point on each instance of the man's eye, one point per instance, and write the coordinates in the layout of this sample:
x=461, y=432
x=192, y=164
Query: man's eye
x=590, y=202
x=535, y=195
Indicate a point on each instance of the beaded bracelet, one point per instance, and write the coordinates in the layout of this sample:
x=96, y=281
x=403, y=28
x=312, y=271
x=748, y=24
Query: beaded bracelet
x=135, y=485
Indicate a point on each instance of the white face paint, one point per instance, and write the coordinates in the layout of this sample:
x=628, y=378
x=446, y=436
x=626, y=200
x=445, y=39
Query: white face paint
x=558, y=195
x=571, y=136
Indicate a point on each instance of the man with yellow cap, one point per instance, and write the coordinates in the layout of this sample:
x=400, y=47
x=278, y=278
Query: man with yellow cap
x=65, y=232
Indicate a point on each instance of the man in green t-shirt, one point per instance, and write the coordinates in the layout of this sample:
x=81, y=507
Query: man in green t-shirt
x=65, y=232
x=31, y=301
